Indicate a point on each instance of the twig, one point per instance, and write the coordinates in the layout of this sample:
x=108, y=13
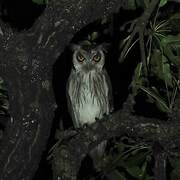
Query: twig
x=138, y=26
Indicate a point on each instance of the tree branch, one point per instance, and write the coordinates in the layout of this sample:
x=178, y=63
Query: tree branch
x=116, y=125
x=138, y=27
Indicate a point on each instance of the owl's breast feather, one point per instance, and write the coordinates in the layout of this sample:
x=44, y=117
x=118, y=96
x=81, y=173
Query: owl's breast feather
x=89, y=99
x=89, y=110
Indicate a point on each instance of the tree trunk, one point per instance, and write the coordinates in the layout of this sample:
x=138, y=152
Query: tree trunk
x=26, y=67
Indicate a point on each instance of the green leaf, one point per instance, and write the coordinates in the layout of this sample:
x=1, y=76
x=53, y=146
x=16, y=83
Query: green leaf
x=157, y=97
x=86, y=43
x=175, y=21
x=131, y=5
x=137, y=159
x=161, y=67
x=115, y=175
x=171, y=48
x=169, y=52
x=132, y=160
x=175, y=16
x=121, y=146
x=162, y=3
x=171, y=39
x=156, y=61
x=147, y=177
x=138, y=80
x=94, y=36
x=161, y=107
x=166, y=71
x=175, y=174
x=138, y=72
x=175, y=163
x=40, y=1
x=135, y=171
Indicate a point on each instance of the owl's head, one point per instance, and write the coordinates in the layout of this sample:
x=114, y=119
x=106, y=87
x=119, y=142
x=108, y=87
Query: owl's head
x=88, y=58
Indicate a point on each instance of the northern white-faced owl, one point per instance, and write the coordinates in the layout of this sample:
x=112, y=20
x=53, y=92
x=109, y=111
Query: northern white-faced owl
x=89, y=92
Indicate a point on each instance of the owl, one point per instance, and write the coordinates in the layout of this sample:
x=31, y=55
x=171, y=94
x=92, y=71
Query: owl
x=89, y=92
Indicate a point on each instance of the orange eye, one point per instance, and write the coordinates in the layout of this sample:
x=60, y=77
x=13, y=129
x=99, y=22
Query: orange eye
x=97, y=57
x=80, y=57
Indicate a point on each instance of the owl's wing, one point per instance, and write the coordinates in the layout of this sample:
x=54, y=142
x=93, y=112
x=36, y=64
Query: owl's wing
x=69, y=102
x=110, y=95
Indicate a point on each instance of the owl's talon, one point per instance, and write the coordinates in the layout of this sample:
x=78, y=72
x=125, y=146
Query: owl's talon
x=85, y=126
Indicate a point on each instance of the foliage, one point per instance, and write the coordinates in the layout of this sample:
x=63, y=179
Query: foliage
x=175, y=163
x=162, y=60
x=90, y=39
x=128, y=159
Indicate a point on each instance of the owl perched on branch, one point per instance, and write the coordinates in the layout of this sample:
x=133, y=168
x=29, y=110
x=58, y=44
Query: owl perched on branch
x=89, y=93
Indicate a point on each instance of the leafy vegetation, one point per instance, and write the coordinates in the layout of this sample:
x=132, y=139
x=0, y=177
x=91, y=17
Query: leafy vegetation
x=160, y=85
x=162, y=63
x=128, y=159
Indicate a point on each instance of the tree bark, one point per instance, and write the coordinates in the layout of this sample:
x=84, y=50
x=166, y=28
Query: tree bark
x=26, y=66
x=73, y=146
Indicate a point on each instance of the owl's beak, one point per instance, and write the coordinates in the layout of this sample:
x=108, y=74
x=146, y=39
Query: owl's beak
x=88, y=67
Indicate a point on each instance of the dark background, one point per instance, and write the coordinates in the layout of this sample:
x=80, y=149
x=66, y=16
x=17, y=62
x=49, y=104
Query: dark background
x=21, y=14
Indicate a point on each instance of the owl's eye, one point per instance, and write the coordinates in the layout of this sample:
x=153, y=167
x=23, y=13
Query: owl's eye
x=97, y=57
x=80, y=57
